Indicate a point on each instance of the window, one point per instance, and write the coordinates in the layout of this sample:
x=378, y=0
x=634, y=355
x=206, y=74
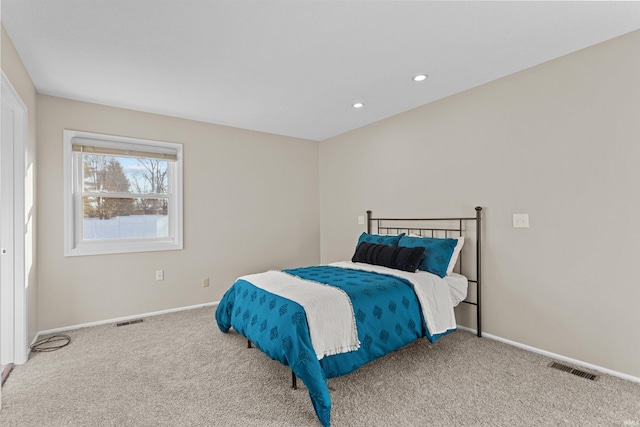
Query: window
x=121, y=194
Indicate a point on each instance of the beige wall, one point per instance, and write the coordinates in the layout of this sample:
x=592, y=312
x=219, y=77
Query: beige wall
x=250, y=204
x=559, y=141
x=15, y=71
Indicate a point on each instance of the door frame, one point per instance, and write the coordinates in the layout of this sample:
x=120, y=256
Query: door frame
x=16, y=338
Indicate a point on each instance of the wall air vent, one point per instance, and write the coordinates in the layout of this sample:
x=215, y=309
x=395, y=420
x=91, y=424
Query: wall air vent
x=569, y=369
x=130, y=322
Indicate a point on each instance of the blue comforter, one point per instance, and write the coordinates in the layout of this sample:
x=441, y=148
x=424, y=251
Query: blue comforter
x=387, y=313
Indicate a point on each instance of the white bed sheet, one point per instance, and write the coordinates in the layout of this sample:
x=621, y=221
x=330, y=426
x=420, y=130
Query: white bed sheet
x=458, y=285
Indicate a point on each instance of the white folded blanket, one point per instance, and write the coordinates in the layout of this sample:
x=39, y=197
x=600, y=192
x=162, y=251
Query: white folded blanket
x=330, y=317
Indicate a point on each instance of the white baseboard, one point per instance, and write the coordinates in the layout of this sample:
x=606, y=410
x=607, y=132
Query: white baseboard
x=124, y=319
x=555, y=356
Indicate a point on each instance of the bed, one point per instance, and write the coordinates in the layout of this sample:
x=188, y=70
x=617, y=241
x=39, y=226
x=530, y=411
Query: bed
x=402, y=284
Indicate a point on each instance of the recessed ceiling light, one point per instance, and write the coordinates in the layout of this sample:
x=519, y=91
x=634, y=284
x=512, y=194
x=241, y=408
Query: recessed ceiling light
x=358, y=105
x=420, y=77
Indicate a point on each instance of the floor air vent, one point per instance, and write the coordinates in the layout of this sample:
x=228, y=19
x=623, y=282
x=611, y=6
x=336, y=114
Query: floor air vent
x=569, y=369
x=130, y=322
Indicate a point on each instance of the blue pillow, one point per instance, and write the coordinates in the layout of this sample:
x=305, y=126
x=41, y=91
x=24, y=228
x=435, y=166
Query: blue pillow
x=379, y=239
x=437, y=252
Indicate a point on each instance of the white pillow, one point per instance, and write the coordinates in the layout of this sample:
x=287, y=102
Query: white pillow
x=456, y=253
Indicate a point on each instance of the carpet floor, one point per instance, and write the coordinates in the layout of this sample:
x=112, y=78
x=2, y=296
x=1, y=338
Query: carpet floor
x=178, y=369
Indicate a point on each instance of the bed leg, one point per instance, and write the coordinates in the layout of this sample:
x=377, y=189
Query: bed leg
x=248, y=343
x=294, y=381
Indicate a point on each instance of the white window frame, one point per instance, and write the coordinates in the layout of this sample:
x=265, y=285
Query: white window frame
x=74, y=245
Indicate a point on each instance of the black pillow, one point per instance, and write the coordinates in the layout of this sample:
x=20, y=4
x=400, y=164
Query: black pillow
x=396, y=257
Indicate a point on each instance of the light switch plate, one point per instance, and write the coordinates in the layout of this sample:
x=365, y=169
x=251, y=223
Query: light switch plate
x=520, y=220
x=360, y=220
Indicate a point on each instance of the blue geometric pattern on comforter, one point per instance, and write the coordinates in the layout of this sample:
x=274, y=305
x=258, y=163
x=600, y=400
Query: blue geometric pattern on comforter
x=387, y=312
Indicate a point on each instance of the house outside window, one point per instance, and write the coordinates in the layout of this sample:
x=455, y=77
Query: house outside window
x=121, y=194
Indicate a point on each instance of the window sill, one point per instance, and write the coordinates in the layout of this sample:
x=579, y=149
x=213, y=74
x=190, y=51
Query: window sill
x=121, y=247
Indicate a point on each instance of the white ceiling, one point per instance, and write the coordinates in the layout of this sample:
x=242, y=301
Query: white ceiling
x=292, y=67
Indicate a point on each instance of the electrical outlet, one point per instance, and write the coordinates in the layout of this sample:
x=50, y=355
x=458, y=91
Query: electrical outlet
x=520, y=220
x=205, y=282
x=159, y=274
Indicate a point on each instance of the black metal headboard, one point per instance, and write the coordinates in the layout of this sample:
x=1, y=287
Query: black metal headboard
x=441, y=227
